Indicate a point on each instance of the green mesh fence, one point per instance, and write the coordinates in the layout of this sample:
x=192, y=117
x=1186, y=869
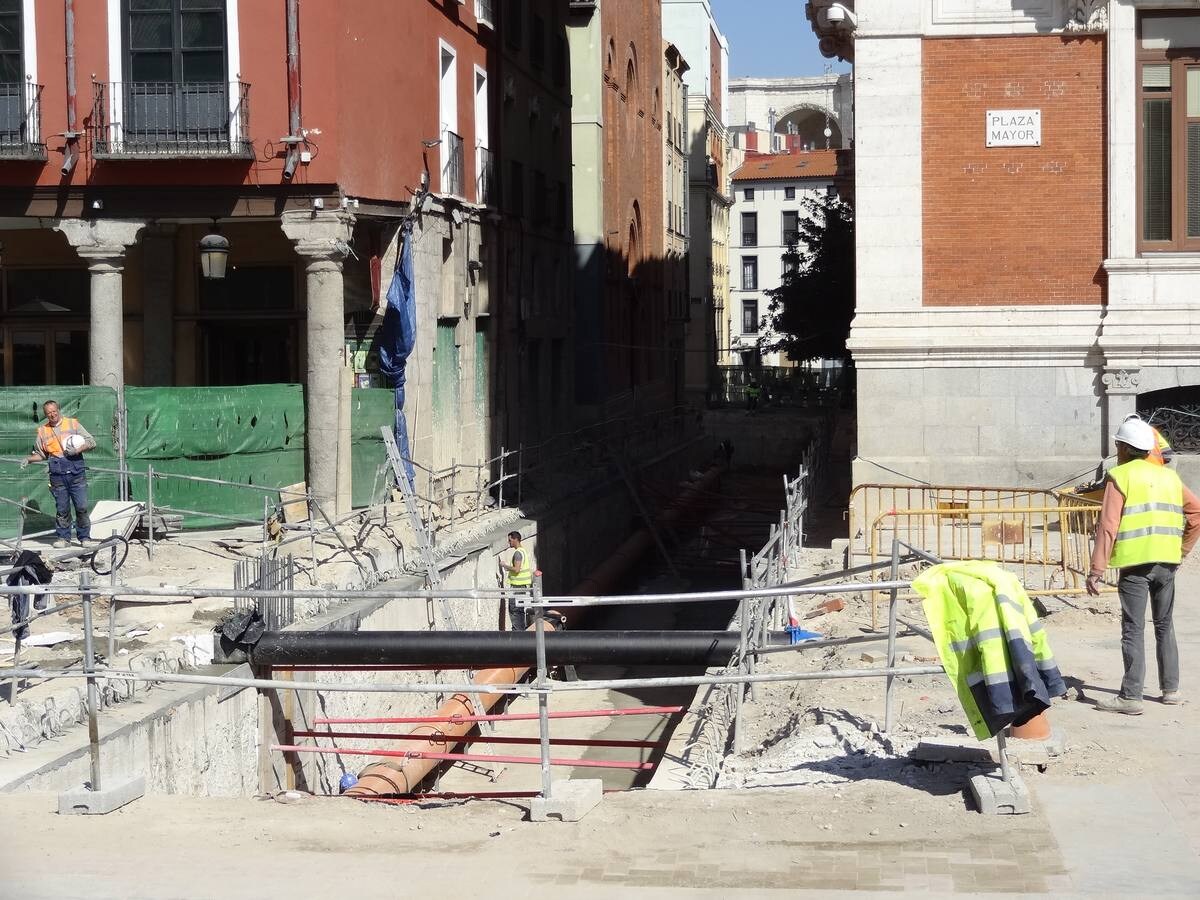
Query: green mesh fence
x=20, y=415
x=252, y=436
x=370, y=409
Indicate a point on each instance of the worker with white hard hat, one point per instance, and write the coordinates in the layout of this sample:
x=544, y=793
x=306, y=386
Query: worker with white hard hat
x=1148, y=523
x=61, y=443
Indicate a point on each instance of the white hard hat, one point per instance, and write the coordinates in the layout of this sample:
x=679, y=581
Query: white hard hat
x=74, y=443
x=1136, y=433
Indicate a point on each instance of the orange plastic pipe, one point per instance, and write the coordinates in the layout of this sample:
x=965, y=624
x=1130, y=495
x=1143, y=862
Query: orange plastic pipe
x=403, y=776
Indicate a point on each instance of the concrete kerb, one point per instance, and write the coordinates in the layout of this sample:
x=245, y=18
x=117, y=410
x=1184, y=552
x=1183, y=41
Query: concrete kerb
x=88, y=802
x=569, y=801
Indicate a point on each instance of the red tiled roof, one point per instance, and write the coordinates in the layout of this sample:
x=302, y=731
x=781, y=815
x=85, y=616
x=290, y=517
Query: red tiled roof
x=807, y=164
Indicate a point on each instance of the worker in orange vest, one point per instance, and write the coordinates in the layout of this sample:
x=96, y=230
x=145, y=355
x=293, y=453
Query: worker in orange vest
x=61, y=443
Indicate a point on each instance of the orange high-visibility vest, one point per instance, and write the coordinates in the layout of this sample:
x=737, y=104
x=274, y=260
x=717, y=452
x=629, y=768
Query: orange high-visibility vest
x=48, y=440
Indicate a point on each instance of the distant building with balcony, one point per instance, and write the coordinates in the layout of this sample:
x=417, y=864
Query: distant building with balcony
x=690, y=26
x=188, y=117
x=676, y=201
x=769, y=196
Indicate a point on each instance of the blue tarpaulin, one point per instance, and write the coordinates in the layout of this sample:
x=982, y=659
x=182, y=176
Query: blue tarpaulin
x=398, y=335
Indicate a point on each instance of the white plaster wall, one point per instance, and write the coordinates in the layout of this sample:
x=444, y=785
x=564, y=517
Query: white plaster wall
x=769, y=203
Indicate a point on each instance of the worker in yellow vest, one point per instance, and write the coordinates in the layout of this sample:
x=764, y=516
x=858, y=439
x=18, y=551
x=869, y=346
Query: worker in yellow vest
x=61, y=443
x=1148, y=522
x=518, y=572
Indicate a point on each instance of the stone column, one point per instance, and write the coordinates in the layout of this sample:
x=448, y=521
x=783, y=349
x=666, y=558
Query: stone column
x=322, y=241
x=102, y=244
x=1120, y=399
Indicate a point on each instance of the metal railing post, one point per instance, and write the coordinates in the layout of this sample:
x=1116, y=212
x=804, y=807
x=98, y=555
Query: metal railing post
x=740, y=688
x=500, y=492
x=539, y=619
x=520, y=470
x=112, y=604
x=891, y=651
x=89, y=669
x=150, y=510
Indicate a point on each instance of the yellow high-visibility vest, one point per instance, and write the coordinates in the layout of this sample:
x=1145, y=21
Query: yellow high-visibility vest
x=522, y=578
x=1151, y=529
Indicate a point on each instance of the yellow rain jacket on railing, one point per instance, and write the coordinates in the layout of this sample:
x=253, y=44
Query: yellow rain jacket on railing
x=991, y=643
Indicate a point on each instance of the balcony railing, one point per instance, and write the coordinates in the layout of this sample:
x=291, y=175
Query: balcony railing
x=452, y=164
x=485, y=177
x=171, y=120
x=21, y=121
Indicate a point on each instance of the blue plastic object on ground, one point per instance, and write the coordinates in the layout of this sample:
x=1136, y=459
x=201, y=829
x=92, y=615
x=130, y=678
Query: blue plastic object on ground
x=348, y=781
x=798, y=635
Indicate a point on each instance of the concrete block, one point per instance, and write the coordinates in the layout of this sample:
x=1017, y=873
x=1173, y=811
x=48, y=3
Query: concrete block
x=996, y=797
x=954, y=749
x=112, y=795
x=1038, y=753
x=569, y=801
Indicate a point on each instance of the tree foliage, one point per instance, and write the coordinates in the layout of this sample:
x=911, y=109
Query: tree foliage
x=811, y=309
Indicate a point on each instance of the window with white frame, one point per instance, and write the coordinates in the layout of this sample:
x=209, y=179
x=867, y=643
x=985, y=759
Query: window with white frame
x=749, y=273
x=484, y=14
x=749, y=317
x=1168, y=86
x=451, y=147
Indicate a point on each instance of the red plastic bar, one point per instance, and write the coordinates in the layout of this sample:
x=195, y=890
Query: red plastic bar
x=507, y=717
x=438, y=738
x=467, y=757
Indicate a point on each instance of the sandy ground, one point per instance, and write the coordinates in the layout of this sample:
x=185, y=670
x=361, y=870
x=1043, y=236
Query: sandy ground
x=1115, y=817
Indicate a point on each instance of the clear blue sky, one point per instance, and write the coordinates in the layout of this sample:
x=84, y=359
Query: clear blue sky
x=770, y=39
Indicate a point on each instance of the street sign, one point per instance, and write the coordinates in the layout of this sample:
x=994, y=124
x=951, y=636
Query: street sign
x=1013, y=127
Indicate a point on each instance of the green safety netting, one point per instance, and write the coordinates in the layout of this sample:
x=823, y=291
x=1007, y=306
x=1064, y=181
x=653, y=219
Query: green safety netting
x=20, y=415
x=251, y=435
x=370, y=409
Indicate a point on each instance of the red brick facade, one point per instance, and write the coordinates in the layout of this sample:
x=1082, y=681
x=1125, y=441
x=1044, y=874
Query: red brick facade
x=633, y=192
x=1016, y=225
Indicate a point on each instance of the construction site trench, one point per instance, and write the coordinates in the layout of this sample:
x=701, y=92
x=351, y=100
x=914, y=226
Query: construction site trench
x=214, y=740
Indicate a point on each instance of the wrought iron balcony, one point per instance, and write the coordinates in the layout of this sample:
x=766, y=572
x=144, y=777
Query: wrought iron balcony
x=485, y=177
x=21, y=121
x=452, y=164
x=171, y=120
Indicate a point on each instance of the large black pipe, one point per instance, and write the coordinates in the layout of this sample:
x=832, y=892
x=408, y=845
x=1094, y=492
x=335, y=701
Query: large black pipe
x=482, y=649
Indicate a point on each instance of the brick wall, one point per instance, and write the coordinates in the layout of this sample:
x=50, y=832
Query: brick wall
x=635, y=316
x=1022, y=225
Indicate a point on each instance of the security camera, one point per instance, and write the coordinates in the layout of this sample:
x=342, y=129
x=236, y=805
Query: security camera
x=837, y=14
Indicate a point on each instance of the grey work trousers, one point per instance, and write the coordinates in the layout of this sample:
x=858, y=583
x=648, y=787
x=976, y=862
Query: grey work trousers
x=1156, y=582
